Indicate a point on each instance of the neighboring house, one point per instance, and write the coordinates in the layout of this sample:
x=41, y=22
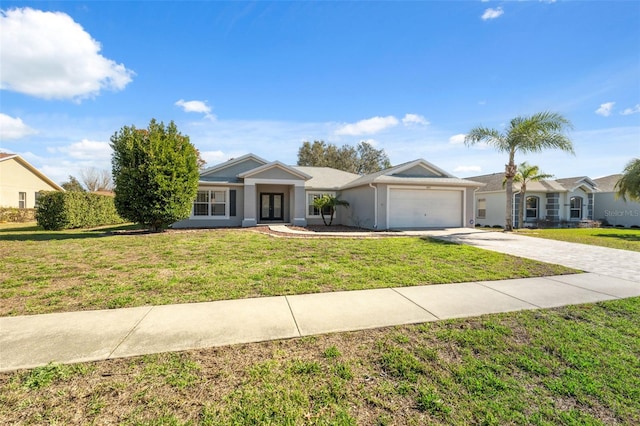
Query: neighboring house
x=552, y=202
x=21, y=183
x=613, y=210
x=250, y=191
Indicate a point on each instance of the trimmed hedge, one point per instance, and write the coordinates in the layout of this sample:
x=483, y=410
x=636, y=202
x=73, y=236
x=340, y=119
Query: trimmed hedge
x=67, y=210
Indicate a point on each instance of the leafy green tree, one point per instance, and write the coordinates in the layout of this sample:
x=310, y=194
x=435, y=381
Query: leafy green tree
x=73, y=185
x=155, y=172
x=371, y=160
x=526, y=173
x=526, y=134
x=629, y=183
x=363, y=159
x=329, y=202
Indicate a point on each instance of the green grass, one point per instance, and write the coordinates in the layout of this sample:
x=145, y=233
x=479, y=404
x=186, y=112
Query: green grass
x=576, y=365
x=45, y=271
x=619, y=238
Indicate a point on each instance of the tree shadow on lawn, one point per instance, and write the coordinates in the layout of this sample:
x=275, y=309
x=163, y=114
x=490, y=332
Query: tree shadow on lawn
x=624, y=236
x=36, y=233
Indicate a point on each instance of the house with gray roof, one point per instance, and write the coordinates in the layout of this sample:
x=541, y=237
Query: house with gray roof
x=556, y=202
x=250, y=191
x=552, y=202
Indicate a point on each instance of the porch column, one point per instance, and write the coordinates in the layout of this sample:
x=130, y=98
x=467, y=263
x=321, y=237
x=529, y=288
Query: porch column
x=249, y=206
x=300, y=206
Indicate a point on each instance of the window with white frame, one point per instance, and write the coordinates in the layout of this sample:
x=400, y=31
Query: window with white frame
x=313, y=211
x=211, y=203
x=22, y=200
x=532, y=207
x=575, y=207
x=482, y=208
x=38, y=195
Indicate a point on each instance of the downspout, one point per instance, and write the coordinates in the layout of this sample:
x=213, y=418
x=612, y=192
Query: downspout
x=375, y=205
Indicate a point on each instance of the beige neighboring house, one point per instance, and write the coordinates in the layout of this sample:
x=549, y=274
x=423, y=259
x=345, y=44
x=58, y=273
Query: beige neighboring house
x=21, y=183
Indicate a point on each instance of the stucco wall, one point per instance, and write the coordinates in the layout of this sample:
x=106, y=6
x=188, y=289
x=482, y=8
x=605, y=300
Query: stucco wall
x=360, y=212
x=16, y=178
x=616, y=211
x=495, y=206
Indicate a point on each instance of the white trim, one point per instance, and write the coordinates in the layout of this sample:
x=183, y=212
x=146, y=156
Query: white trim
x=255, y=181
x=229, y=163
x=227, y=205
x=275, y=165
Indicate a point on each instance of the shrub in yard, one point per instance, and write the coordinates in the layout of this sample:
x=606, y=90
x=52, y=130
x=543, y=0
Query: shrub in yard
x=155, y=171
x=67, y=210
x=14, y=214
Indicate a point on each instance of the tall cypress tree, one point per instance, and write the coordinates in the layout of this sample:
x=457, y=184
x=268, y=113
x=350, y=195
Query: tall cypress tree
x=155, y=172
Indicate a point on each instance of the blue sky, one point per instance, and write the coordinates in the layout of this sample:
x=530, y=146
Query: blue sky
x=409, y=77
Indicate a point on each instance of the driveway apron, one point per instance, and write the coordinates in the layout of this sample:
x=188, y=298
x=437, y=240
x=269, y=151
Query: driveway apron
x=601, y=260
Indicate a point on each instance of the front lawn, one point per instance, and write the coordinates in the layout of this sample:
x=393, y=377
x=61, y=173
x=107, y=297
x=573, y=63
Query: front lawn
x=619, y=238
x=43, y=271
x=576, y=365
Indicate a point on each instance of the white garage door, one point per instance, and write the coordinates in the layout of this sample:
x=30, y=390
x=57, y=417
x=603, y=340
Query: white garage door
x=424, y=208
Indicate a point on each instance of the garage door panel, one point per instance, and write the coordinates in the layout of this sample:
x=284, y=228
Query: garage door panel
x=423, y=208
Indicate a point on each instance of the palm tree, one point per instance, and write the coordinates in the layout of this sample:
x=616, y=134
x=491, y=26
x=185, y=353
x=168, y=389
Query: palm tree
x=330, y=202
x=629, y=183
x=535, y=133
x=526, y=173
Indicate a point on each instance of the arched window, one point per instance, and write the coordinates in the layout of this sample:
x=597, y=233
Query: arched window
x=575, y=208
x=532, y=208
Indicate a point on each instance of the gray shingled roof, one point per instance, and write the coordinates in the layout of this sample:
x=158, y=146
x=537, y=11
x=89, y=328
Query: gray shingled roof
x=607, y=183
x=493, y=182
x=326, y=177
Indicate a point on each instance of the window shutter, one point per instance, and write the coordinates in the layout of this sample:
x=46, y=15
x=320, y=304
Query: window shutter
x=232, y=202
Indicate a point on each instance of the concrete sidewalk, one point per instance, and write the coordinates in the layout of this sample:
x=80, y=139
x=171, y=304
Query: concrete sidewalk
x=31, y=341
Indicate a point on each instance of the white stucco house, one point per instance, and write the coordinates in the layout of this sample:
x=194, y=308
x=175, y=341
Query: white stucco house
x=555, y=202
x=250, y=191
x=21, y=183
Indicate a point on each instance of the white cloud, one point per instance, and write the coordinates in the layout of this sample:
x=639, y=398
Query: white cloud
x=492, y=13
x=86, y=150
x=467, y=169
x=196, y=106
x=368, y=126
x=457, y=139
x=629, y=111
x=48, y=55
x=605, y=109
x=410, y=119
x=13, y=128
x=214, y=157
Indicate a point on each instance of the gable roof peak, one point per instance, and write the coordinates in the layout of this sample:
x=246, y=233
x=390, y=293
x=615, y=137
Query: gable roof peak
x=275, y=164
x=232, y=161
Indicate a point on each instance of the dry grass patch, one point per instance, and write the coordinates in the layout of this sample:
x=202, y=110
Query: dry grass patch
x=572, y=365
